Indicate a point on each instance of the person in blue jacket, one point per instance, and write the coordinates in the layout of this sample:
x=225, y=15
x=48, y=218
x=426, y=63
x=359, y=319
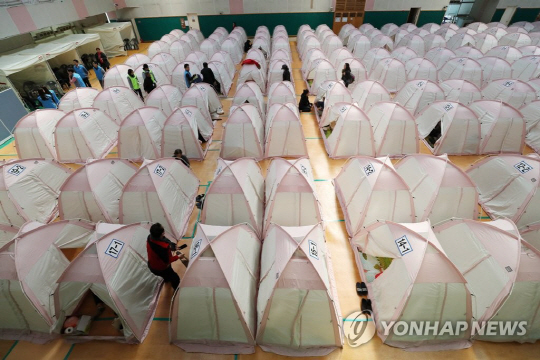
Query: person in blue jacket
x=75, y=78
x=83, y=73
x=100, y=73
x=53, y=94
x=46, y=100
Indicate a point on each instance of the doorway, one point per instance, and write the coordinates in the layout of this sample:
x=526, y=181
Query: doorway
x=193, y=21
x=414, y=14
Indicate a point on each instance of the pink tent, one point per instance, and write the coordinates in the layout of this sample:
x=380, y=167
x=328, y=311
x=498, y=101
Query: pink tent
x=280, y=93
x=205, y=98
x=526, y=68
x=78, y=98
x=432, y=41
x=398, y=34
x=280, y=54
x=30, y=265
x=291, y=199
x=29, y=190
x=312, y=56
x=449, y=26
x=403, y=54
x=92, y=192
x=118, y=102
x=158, y=46
x=252, y=73
x=113, y=266
x=497, y=32
x=479, y=27
x=197, y=57
x=514, y=92
x=466, y=30
x=373, y=56
x=251, y=93
x=165, y=62
x=161, y=191
x=339, y=54
x=417, y=94
x=368, y=92
x=394, y=129
x=357, y=70
x=236, y=195
x=321, y=71
x=177, y=33
x=463, y=69
x=280, y=43
x=181, y=131
x=331, y=44
x=386, y=29
x=365, y=27
x=439, y=56
x=140, y=134
x=34, y=134
x=408, y=27
x=179, y=50
x=460, y=40
x=431, y=27
x=178, y=78
x=503, y=127
x=165, y=97
x=469, y=52
x=440, y=189
x=461, y=91
x=515, y=39
x=369, y=189
x=160, y=75
x=531, y=113
x=168, y=38
x=446, y=33
x=518, y=29
x=232, y=47
x=243, y=134
x=422, y=32
x=309, y=43
x=451, y=128
x=382, y=41
x=413, y=42
x=117, y=76
x=530, y=50
x=136, y=60
x=191, y=40
x=359, y=46
x=225, y=58
x=209, y=47
x=332, y=92
x=389, y=72
x=222, y=76
x=351, y=132
x=7, y=233
x=420, y=69
x=508, y=53
x=283, y=132
x=83, y=134
x=494, y=68
x=485, y=42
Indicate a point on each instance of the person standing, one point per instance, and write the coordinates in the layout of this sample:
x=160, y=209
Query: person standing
x=102, y=60
x=75, y=79
x=46, y=100
x=346, y=75
x=183, y=158
x=160, y=255
x=134, y=83
x=209, y=78
x=286, y=73
x=187, y=76
x=100, y=73
x=149, y=80
x=53, y=94
x=83, y=73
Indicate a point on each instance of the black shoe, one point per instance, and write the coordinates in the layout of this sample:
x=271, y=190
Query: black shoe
x=364, y=305
x=361, y=289
x=368, y=303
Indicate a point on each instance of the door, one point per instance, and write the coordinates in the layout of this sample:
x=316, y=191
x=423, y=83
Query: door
x=414, y=14
x=348, y=12
x=193, y=21
x=508, y=15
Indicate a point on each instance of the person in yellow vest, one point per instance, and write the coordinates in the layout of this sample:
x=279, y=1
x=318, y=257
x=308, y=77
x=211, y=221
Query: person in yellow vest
x=149, y=80
x=134, y=83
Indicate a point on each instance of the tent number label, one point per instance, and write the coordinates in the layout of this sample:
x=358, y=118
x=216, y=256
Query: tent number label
x=523, y=167
x=403, y=245
x=160, y=171
x=504, y=48
x=420, y=84
x=16, y=170
x=188, y=112
x=461, y=60
x=114, y=248
x=369, y=169
x=508, y=83
x=84, y=114
x=313, y=250
x=343, y=109
x=330, y=85
x=196, y=248
x=508, y=268
x=448, y=107
x=303, y=169
x=115, y=90
x=202, y=88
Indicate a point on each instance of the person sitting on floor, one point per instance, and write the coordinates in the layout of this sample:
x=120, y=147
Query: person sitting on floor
x=179, y=156
x=247, y=46
x=304, y=105
x=286, y=73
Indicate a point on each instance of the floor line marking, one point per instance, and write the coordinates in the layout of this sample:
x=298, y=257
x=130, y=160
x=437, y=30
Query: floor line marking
x=10, y=349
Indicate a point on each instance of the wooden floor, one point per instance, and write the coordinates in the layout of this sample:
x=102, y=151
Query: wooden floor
x=156, y=345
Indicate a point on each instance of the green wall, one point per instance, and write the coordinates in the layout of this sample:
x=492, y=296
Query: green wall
x=250, y=22
x=152, y=29
x=380, y=18
x=426, y=17
x=498, y=15
x=522, y=14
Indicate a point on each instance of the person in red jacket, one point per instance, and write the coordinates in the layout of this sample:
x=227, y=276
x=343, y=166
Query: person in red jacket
x=160, y=255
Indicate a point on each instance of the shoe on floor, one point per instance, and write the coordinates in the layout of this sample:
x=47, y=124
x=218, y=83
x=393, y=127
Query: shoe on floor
x=361, y=289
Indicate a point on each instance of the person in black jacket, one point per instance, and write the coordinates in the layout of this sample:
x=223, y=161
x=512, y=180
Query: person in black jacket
x=286, y=73
x=179, y=156
x=247, y=46
x=209, y=78
x=346, y=75
x=304, y=105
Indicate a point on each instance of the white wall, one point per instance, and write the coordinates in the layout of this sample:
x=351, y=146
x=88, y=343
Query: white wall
x=382, y=5
x=520, y=3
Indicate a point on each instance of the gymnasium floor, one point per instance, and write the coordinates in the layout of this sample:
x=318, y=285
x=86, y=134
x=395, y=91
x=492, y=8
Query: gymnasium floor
x=156, y=345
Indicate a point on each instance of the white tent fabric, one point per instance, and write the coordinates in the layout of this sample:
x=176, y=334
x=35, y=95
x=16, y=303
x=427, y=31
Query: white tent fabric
x=205, y=98
x=351, y=131
x=161, y=191
x=415, y=95
x=93, y=191
x=332, y=92
x=528, y=67
x=312, y=56
x=30, y=265
x=432, y=41
x=181, y=131
x=461, y=91
x=514, y=92
x=321, y=71
x=226, y=59
x=232, y=47
x=368, y=92
x=497, y=32
x=358, y=70
x=369, y=189
x=117, y=76
x=403, y=54
x=243, y=134
x=283, y=132
x=440, y=189
x=280, y=93
x=112, y=37
x=197, y=57
x=179, y=50
x=494, y=69
x=34, y=134
x=177, y=33
x=119, y=277
x=459, y=40
x=485, y=42
x=165, y=61
x=469, y=52
x=530, y=50
x=531, y=115
x=359, y=46
x=388, y=28
x=275, y=71
x=413, y=42
x=252, y=73
x=372, y=57
x=251, y=93
x=178, y=78
x=420, y=69
x=135, y=60
x=82, y=134
x=158, y=47
x=391, y=73
x=118, y=102
x=29, y=190
x=222, y=76
x=221, y=280
x=162, y=78
x=503, y=127
x=446, y=33
x=462, y=69
x=236, y=195
x=78, y=98
x=508, y=53
x=479, y=27
x=382, y=41
x=300, y=298
x=140, y=134
x=439, y=56
x=394, y=129
x=165, y=97
x=168, y=38
x=516, y=39
x=449, y=128
x=419, y=281
x=506, y=188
